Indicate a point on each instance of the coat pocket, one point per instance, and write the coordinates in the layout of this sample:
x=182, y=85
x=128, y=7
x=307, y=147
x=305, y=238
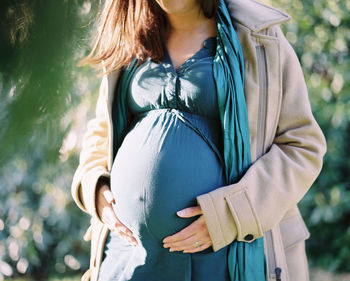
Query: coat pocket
x=293, y=235
x=293, y=229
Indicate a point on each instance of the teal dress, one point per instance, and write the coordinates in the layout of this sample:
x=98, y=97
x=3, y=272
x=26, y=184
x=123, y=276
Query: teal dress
x=172, y=152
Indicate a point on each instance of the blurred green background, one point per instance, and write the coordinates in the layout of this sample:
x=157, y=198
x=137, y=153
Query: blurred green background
x=45, y=102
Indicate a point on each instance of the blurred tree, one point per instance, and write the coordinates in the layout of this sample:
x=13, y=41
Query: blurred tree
x=43, y=97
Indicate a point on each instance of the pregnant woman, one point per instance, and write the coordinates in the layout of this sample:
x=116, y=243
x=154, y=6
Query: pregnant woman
x=177, y=129
x=169, y=156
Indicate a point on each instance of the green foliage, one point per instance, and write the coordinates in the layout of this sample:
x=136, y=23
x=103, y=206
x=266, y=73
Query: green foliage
x=319, y=32
x=41, y=93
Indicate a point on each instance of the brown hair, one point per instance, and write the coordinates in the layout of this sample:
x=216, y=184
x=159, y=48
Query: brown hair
x=132, y=28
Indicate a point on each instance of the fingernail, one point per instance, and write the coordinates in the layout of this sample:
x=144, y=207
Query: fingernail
x=171, y=249
x=109, y=196
x=180, y=213
x=128, y=232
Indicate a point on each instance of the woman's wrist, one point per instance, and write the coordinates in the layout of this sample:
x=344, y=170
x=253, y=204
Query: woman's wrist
x=102, y=181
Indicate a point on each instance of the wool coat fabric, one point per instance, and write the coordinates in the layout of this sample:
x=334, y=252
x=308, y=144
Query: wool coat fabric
x=287, y=148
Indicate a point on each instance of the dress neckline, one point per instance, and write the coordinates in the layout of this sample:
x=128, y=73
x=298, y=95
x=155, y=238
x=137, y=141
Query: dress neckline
x=206, y=50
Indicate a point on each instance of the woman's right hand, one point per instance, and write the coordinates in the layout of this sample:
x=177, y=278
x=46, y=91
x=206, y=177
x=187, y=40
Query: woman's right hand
x=104, y=200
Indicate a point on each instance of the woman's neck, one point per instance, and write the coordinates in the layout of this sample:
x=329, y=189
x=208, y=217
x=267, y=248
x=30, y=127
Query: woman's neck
x=190, y=23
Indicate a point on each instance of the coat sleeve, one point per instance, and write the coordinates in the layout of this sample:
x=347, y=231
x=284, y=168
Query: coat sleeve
x=93, y=156
x=280, y=178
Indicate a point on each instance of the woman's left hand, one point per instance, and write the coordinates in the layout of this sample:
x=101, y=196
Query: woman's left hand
x=185, y=240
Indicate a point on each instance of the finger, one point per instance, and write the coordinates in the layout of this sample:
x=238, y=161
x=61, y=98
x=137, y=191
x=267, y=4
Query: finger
x=101, y=201
x=190, y=212
x=119, y=227
x=193, y=228
x=121, y=230
x=130, y=239
x=186, y=243
x=181, y=235
x=191, y=246
x=116, y=223
x=198, y=249
x=108, y=196
x=113, y=222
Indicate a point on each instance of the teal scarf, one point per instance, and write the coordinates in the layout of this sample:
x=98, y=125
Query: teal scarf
x=246, y=261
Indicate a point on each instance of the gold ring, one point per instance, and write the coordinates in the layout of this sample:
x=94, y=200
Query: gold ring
x=197, y=244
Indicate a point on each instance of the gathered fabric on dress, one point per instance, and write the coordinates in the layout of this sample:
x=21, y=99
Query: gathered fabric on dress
x=171, y=153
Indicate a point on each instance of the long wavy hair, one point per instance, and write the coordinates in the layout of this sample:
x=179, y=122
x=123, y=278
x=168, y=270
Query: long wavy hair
x=126, y=29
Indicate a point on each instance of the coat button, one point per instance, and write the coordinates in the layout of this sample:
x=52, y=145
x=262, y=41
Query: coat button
x=248, y=237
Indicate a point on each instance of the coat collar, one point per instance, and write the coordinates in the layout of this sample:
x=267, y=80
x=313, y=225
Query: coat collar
x=255, y=15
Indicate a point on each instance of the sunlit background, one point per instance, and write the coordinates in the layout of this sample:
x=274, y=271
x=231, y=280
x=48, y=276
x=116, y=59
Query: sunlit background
x=45, y=102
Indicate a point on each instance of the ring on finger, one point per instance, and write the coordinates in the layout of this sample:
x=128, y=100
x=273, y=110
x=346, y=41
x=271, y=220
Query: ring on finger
x=197, y=244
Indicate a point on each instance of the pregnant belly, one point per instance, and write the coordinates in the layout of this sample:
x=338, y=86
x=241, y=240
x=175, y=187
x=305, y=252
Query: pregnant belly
x=160, y=168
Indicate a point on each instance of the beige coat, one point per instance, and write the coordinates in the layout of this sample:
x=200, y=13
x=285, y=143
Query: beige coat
x=287, y=147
